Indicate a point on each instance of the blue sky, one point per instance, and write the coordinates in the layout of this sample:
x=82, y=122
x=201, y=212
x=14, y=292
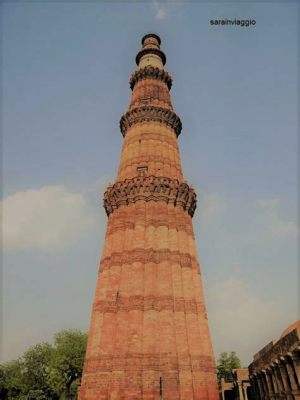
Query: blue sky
x=65, y=71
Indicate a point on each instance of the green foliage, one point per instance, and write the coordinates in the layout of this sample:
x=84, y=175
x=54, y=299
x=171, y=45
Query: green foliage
x=226, y=363
x=46, y=372
x=36, y=370
x=36, y=395
x=11, y=380
x=67, y=361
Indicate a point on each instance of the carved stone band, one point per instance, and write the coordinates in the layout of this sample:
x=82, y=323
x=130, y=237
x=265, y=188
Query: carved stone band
x=150, y=113
x=150, y=303
x=150, y=188
x=150, y=72
x=150, y=361
x=145, y=256
x=170, y=223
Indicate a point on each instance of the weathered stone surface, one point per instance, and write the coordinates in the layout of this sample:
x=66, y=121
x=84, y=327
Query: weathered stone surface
x=149, y=337
x=275, y=370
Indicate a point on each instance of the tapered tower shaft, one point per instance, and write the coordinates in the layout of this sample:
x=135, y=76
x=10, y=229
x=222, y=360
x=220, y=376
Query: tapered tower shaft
x=149, y=336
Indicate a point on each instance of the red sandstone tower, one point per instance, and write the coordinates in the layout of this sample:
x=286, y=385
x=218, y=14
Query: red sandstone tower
x=149, y=336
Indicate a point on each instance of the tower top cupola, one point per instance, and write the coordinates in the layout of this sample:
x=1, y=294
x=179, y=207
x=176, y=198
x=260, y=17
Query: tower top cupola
x=150, y=53
x=151, y=38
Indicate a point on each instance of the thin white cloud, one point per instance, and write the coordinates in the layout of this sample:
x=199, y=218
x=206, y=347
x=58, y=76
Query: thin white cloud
x=212, y=205
x=160, y=10
x=97, y=188
x=241, y=321
x=46, y=219
x=237, y=233
x=261, y=220
x=275, y=224
x=163, y=9
x=269, y=203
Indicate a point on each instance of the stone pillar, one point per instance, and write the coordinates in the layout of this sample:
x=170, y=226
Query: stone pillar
x=275, y=382
x=251, y=385
x=270, y=384
x=295, y=356
x=260, y=386
x=254, y=387
x=285, y=379
x=291, y=363
x=239, y=391
x=292, y=375
x=244, y=389
x=264, y=384
x=278, y=379
x=222, y=389
x=259, y=394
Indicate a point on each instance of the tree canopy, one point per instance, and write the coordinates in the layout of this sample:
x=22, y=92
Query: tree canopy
x=44, y=371
x=226, y=363
x=67, y=361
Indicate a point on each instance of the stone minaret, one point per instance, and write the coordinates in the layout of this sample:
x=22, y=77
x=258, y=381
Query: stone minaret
x=149, y=336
